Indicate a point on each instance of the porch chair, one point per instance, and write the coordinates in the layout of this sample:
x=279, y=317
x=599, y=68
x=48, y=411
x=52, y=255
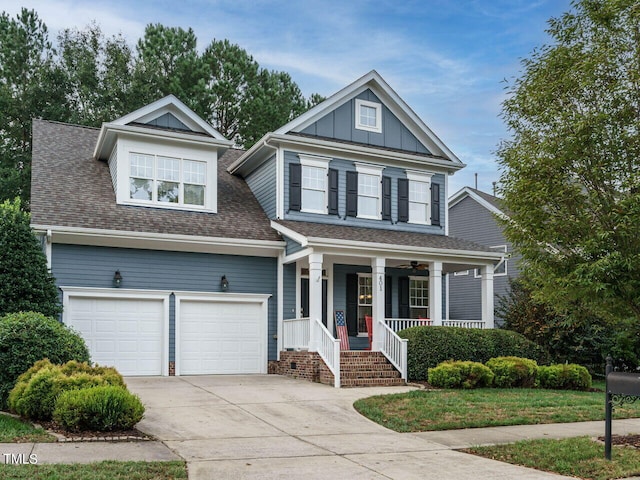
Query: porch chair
x=341, y=329
x=368, y=319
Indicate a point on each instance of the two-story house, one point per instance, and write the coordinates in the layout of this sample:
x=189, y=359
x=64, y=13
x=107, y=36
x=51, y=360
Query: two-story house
x=178, y=254
x=474, y=215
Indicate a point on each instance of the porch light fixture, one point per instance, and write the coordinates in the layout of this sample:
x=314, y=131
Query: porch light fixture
x=117, y=279
x=224, y=283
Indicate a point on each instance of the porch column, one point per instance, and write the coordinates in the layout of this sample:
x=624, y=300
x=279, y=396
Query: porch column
x=486, y=293
x=315, y=295
x=377, y=284
x=435, y=292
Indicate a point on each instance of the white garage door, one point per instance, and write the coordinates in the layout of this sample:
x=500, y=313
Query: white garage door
x=122, y=332
x=217, y=337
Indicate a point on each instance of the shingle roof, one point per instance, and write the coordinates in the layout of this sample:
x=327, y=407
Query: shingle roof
x=377, y=235
x=70, y=188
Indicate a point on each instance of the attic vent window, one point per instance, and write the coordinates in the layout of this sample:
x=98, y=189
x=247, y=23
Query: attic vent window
x=368, y=116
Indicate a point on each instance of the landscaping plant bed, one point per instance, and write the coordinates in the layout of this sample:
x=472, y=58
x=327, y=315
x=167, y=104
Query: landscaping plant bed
x=624, y=440
x=93, y=436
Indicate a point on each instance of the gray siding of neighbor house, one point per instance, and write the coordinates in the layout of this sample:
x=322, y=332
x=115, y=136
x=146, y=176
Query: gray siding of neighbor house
x=471, y=221
x=86, y=266
x=262, y=182
x=340, y=125
x=344, y=166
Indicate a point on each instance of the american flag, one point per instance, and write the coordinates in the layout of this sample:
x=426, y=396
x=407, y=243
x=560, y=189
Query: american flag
x=341, y=327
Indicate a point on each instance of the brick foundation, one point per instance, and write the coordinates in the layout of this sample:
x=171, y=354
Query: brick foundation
x=303, y=365
x=172, y=369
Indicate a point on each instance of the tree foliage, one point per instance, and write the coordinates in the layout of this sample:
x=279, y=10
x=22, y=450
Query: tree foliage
x=25, y=281
x=89, y=79
x=571, y=176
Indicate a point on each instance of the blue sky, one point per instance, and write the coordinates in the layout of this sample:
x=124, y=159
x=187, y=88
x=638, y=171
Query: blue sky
x=448, y=59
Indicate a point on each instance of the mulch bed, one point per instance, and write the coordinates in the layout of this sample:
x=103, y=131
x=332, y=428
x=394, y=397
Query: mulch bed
x=91, y=436
x=624, y=440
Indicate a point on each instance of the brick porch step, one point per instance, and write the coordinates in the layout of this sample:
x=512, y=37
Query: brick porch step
x=367, y=369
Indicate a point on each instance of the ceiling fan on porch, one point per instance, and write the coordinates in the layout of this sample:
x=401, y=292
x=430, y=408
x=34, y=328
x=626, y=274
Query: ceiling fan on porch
x=415, y=266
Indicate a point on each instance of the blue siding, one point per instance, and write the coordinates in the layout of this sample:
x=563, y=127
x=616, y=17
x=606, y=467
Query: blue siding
x=292, y=246
x=340, y=125
x=346, y=165
x=289, y=296
x=262, y=183
x=471, y=221
x=168, y=121
x=86, y=266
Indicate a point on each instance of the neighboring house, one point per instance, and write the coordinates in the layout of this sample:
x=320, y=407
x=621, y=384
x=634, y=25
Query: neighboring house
x=178, y=254
x=473, y=215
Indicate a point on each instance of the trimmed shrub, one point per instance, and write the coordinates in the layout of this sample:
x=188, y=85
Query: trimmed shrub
x=513, y=372
x=564, y=377
x=27, y=337
x=459, y=374
x=104, y=408
x=36, y=391
x=429, y=346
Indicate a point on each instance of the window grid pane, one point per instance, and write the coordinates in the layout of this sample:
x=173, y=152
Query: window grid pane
x=365, y=291
x=419, y=293
x=368, y=185
x=141, y=166
x=169, y=169
x=194, y=172
x=194, y=194
x=313, y=178
x=367, y=116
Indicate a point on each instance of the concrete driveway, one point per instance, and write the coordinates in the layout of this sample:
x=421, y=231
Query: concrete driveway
x=269, y=426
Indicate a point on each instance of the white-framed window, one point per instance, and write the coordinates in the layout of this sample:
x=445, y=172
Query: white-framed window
x=365, y=301
x=314, y=183
x=419, y=297
x=368, y=116
x=500, y=270
x=167, y=180
x=369, y=191
x=419, y=197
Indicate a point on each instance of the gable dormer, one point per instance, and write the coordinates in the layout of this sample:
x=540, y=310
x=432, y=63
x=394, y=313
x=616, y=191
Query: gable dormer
x=163, y=155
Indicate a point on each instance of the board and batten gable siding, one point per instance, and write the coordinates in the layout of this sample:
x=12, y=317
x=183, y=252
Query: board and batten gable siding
x=340, y=125
x=471, y=221
x=89, y=266
x=262, y=182
x=343, y=166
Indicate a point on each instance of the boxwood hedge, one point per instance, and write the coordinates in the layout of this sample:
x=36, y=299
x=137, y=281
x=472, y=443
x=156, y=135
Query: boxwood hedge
x=429, y=346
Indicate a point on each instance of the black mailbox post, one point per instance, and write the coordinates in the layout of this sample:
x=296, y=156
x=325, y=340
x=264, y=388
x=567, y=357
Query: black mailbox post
x=621, y=388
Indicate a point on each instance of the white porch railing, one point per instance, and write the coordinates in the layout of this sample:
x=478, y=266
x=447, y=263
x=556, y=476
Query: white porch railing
x=397, y=324
x=328, y=349
x=394, y=348
x=463, y=323
x=296, y=333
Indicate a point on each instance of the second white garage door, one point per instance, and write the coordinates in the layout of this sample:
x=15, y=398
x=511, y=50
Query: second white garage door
x=221, y=336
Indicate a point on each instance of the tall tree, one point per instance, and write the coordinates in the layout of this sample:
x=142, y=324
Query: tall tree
x=30, y=86
x=98, y=75
x=571, y=174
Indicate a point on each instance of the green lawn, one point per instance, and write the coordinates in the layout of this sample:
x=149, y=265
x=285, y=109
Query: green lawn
x=577, y=457
x=425, y=410
x=96, y=471
x=13, y=430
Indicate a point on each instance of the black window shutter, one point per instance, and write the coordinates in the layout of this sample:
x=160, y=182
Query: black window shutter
x=333, y=191
x=352, y=303
x=388, y=292
x=403, y=200
x=386, y=198
x=295, y=186
x=403, y=296
x=435, y=204
x=352, y=194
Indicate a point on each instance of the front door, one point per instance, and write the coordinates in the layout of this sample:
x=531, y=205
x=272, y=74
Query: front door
x=304, y=299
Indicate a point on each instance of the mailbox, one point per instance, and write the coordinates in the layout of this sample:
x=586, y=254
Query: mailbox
x=621, y=388
x=619, y=383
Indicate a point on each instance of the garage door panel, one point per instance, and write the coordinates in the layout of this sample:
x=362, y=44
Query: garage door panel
x=123, y=332
x=221, y=337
